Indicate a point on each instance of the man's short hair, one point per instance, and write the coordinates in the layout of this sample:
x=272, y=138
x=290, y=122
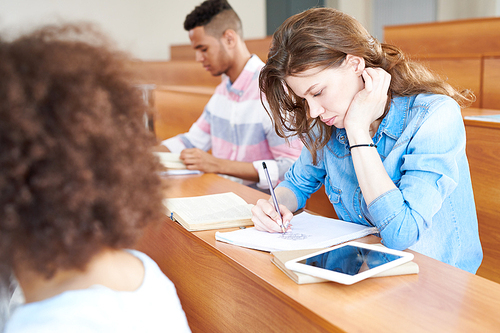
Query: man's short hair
x=216, y=16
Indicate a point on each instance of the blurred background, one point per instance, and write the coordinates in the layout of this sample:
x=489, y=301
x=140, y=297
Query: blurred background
x=147, y=28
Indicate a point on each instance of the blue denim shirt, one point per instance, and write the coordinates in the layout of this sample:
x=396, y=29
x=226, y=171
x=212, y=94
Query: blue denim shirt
x=421, y=142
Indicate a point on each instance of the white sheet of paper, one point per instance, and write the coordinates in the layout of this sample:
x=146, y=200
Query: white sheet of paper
x=308, y=232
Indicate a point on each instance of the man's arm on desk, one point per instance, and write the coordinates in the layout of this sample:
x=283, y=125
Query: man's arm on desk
x=197, y=159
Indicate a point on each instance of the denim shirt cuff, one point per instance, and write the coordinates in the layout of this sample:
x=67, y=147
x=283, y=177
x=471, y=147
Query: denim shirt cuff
x=385, y=208
x=301, y=199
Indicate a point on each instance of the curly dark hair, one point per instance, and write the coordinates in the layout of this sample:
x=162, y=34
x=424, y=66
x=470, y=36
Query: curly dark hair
x=204, y=13
x=77, y=175
x=215, y=16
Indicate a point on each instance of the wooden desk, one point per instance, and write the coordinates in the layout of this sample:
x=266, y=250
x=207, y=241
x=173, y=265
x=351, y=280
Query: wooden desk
x=483, y=147
x=225, y=288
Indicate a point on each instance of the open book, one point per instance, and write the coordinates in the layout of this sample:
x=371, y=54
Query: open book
x=308, y=232
x=281, y=257
x=213, y=211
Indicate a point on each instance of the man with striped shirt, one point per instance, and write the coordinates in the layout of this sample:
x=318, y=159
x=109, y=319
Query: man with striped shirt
x=234, y=125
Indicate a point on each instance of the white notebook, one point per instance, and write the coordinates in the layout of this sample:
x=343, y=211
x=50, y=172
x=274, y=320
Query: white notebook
x=308, y=232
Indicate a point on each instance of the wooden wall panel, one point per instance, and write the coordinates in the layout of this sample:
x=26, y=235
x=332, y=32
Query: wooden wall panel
x=451, y=37
x=258, y=46
x=172, y=73
x=181, y=52
x=178, y=109
x=463, y=72
x=491, y=82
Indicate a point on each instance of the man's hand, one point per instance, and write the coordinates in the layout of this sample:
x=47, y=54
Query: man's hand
x=197, y=159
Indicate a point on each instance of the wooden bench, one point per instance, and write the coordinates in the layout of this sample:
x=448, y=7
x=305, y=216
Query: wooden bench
x=178, y=107
x=471, y=36
x=491, y=81
x=461, y=71
x=172, y=73
x=467, y=52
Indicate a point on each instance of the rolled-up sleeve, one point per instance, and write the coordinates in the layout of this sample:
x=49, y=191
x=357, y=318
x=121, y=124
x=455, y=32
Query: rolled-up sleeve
x=430, y=173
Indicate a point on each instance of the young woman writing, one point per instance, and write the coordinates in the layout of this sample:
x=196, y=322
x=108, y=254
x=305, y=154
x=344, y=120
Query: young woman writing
x=383, y=134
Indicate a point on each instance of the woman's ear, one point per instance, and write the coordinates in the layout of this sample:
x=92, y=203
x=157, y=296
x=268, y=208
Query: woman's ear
x=356, y=63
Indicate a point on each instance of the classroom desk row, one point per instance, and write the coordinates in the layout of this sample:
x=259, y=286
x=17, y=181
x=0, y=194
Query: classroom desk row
x=483, y=147
x=225, y=288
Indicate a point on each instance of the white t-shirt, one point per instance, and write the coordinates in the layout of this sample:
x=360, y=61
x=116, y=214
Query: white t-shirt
x=153, y=307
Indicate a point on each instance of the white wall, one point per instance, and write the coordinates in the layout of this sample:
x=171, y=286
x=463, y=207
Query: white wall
x=361, y=10
x=144, y=28
x=147, y=28
x=464, y=9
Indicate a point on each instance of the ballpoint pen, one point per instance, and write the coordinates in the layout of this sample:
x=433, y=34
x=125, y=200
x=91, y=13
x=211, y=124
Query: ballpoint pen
x=273, y=195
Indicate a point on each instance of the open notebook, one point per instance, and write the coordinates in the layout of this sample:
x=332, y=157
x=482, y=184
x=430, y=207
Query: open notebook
x=308, y=232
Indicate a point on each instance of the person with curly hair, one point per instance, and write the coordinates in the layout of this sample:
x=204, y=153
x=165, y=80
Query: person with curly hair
x=383, y=134
x=78, y=185
x=234, y=123
x=10, y=294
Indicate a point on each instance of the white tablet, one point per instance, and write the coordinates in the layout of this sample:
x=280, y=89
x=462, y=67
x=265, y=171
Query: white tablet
x=350, y=262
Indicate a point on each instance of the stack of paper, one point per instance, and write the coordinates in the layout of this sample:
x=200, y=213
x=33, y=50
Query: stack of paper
x=174, y=165
x=170, y=160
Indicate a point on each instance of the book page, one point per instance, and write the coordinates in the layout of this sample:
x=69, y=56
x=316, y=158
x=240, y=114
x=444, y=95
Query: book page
x=308, y=231
x=232, y=213
x=210, y=208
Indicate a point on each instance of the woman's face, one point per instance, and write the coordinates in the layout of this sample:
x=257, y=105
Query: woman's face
x=329, y=92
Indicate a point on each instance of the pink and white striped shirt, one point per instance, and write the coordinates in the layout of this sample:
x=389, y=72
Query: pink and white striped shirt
x=235, y=126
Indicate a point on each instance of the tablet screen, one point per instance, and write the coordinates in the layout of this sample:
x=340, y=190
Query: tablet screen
x=350, y=259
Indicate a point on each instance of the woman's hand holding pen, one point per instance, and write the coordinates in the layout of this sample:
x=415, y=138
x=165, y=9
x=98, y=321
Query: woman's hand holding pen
x=266, y=218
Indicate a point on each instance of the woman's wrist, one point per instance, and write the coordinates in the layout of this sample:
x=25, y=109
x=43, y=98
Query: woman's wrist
x=368, y=145
x=358, y=137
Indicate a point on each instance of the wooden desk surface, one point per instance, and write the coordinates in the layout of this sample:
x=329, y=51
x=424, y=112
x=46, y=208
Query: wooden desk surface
x=471, y=112
x=483, y=145
x=225, y=288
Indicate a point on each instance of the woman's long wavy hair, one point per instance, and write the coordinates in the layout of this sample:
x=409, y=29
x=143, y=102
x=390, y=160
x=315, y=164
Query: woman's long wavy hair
x=321, y=38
